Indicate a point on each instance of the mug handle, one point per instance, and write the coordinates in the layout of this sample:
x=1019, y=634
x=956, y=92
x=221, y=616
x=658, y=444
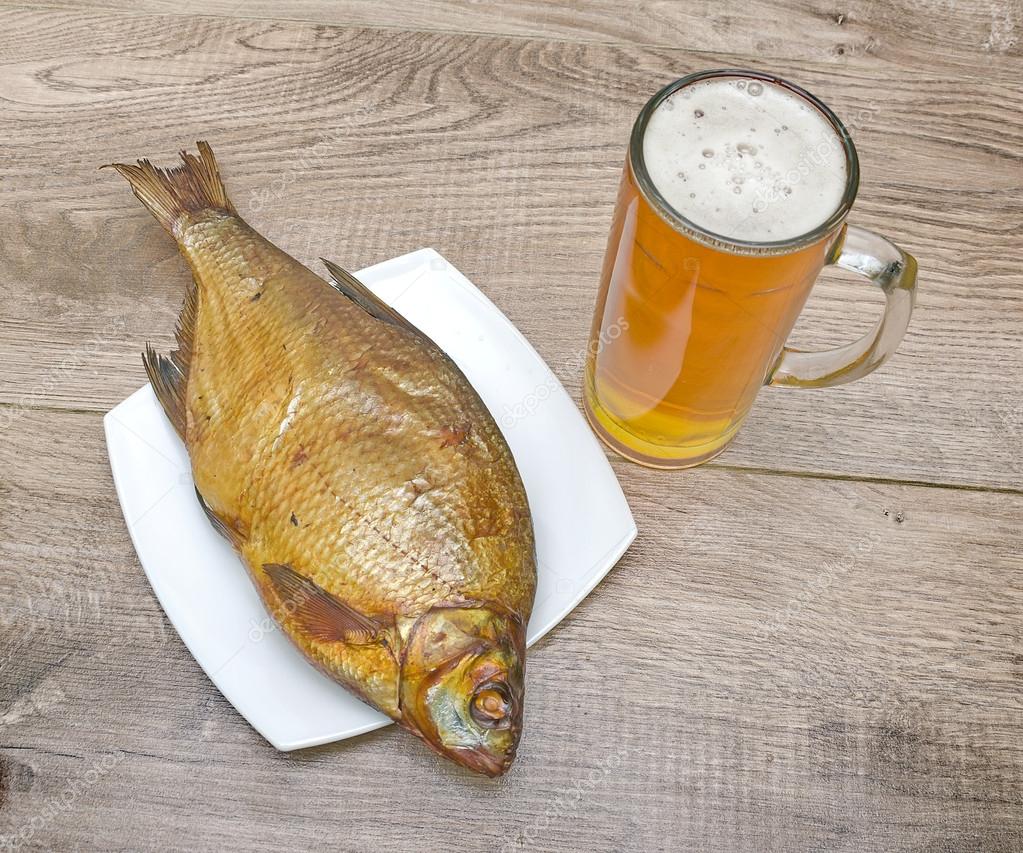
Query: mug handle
x=891, y=269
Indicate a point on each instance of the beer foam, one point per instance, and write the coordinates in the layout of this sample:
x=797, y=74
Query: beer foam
x=746, y=159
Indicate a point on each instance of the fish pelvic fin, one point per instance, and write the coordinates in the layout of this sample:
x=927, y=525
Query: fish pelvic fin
x=320, y=614
x=169, y=194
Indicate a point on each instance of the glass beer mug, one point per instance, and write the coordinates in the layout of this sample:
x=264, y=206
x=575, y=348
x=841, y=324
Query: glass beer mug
x=734, y=197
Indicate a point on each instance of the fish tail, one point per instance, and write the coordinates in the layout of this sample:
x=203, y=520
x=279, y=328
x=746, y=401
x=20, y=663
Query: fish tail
x=170, y=194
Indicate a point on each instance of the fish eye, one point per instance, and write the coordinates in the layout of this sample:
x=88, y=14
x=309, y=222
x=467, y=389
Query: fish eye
x=491, y=705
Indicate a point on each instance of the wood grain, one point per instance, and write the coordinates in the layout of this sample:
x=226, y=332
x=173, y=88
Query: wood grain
x=504, y=155
x=973, y=37
x=778, y=663
x=817, y=641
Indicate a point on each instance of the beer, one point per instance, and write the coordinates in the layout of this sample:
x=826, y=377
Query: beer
x=746, y=160
x=732, y=200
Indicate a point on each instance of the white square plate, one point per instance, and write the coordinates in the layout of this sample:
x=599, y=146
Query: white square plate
x=582, y=522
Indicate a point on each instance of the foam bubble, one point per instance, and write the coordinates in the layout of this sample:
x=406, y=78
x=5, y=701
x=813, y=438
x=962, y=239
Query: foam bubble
x=783, y=184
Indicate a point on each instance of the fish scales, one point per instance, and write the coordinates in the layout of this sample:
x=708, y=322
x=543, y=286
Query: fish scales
x=372, y=497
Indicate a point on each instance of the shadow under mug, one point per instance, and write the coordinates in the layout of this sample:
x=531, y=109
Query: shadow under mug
x=689, y=324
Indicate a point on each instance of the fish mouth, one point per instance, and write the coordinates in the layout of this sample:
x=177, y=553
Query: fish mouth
x=477, y=759
x=481, y=761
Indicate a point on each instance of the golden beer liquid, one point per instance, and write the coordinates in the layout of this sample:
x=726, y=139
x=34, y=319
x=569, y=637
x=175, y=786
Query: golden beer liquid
x=684, y=335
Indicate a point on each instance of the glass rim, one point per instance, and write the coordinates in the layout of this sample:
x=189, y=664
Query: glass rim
x=719, y=241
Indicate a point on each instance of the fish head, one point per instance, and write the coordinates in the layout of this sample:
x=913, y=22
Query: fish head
x=462, y=685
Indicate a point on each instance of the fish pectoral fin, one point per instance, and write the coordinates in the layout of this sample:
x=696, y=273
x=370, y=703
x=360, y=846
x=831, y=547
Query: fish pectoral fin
x=366, y=299
x=320, y=614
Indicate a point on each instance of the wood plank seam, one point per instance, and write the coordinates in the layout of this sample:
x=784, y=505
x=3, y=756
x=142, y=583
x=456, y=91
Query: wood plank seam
x=720, y=466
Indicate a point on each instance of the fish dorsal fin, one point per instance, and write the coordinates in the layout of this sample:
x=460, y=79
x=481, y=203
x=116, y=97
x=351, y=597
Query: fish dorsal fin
x=169, y=374
x=362, y=296
x=169, y=384
x=319, y=613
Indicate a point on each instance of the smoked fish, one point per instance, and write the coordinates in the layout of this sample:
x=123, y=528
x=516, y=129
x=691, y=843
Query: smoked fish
x=368, y=490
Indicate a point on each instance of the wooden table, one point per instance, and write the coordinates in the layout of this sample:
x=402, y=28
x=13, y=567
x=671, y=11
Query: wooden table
x=815, y=643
